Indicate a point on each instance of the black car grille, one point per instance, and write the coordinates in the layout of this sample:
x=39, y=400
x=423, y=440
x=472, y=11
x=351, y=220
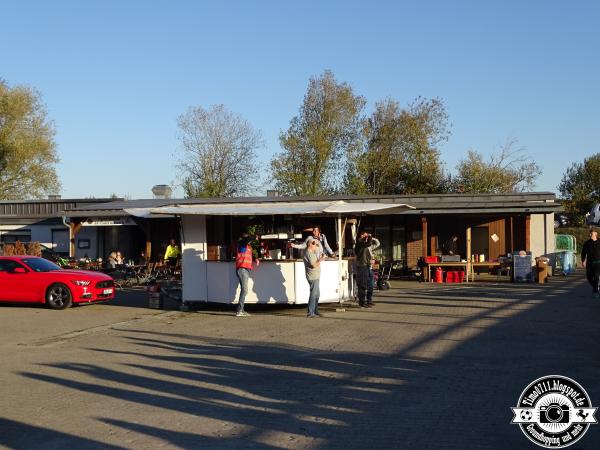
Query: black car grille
x=105, y=284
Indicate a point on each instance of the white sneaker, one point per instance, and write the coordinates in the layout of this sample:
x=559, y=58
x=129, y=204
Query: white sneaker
x=242, y=314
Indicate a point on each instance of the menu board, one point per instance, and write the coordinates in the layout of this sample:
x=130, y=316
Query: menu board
x=522, y=270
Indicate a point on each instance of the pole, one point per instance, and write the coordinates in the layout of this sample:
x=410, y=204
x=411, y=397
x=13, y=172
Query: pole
x=469, y=268
x=340, y=251
x=74, y=228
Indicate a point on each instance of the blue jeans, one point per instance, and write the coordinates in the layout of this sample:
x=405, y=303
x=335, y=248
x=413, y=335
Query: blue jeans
x=243, y=275
x=313, y=298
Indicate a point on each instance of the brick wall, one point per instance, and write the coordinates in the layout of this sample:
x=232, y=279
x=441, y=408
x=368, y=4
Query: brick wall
x=414, y=250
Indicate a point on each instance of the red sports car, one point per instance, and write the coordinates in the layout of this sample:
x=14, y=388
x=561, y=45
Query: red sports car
x=33, y=279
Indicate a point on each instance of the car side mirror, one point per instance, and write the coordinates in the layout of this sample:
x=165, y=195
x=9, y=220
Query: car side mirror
x=19, y=270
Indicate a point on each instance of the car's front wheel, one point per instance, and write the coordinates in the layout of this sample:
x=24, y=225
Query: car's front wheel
x=58, y=296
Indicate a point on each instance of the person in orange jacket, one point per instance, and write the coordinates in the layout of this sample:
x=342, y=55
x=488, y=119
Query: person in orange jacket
x=243, y=265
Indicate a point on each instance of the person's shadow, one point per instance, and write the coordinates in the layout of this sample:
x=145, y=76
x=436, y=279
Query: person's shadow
x=269, y=282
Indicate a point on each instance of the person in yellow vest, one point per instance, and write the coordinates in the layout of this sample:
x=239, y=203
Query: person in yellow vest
x=172, y=254
x=243, y=266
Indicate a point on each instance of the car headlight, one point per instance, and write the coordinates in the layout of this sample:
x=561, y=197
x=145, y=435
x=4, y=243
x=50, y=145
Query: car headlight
x=81, y=282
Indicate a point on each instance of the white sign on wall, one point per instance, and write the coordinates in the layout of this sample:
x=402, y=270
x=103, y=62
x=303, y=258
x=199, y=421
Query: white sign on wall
x=109, y=222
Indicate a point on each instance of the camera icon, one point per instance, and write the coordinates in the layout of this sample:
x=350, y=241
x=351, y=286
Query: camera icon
x=554, y=413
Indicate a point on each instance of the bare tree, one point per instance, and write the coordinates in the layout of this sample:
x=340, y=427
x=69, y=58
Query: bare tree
x=511, y=170
x=219, y=153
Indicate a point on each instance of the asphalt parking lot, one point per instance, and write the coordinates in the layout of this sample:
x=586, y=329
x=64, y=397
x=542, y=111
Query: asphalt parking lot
x=429, y=367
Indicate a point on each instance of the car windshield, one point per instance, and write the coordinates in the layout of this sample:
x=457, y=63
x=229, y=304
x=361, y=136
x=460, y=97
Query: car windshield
x=40, y=264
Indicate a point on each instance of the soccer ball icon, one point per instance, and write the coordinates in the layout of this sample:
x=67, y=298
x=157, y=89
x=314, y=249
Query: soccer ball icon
x=526, y=415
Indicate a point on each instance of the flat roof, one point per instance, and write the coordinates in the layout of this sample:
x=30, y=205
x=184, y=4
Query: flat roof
x=41, y=209
x=522, y=202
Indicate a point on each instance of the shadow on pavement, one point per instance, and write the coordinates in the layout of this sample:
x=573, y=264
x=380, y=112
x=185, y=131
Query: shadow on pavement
x=452, y=388
x=22, y=436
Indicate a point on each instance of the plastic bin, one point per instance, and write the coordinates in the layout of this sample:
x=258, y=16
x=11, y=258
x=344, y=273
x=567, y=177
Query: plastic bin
x=565, y=262
x=565, y=242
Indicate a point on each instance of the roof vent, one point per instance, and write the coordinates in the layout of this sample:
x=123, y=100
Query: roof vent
x=161, y=191
x=54, y=197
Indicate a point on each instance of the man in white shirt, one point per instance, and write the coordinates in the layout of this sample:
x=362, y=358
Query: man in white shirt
x=321, y=240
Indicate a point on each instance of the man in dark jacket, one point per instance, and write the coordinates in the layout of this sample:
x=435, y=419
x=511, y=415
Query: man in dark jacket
x=363, y=249
x=590, y=258
x=451, y=245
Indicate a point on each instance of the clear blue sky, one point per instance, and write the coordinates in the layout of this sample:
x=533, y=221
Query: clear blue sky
x=115, y=75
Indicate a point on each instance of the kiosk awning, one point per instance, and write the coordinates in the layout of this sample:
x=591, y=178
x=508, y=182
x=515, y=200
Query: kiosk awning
x=283, y=208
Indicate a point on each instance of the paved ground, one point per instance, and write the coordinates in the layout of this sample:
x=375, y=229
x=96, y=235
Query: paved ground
x=430, y=367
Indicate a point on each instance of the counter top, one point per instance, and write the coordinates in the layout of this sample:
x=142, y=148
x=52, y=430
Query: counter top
x=280, y=260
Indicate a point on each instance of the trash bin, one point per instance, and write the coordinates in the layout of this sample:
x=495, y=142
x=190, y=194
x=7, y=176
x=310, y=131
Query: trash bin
x=155, y=300
x=542, y=269
x=155, y=297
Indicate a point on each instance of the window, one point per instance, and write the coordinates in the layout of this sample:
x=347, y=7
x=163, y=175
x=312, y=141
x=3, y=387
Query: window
x=10, y=237
x=8, y=265
x=382, y=253
x=398, y=243
x=41, y=265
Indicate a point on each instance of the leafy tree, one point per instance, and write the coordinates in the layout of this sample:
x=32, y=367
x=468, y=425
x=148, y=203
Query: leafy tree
x=318, y=140
x=580, y=187
x=509, y=171
x=27, y=148
x=219, y=153
x=401, y=155
x=376, y=168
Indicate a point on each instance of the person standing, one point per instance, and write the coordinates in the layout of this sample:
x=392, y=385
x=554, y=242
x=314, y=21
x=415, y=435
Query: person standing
x=590, y=258
x=142, y=260
x=119, y=259
x=172, y=253
x=312, y=264
x=111, y=261
x=363, y=249
x=321, y=240
x=243, y=265
x=451, y=245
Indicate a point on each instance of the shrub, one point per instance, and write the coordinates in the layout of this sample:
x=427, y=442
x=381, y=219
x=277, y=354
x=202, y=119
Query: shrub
x=34, y=248
x=20, y=248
